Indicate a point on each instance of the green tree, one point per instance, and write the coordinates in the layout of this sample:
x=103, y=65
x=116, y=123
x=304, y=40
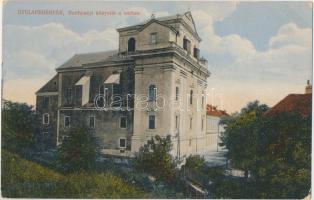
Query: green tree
x=154, y=158
x=78, y=151
x=240, y=136
x=275, y=149
x=284, y=157
x=19, y=127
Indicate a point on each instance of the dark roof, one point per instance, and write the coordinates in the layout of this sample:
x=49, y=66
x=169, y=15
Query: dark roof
x=213, y=111
x=50, y=86
x=79, y=59
x=301, y=103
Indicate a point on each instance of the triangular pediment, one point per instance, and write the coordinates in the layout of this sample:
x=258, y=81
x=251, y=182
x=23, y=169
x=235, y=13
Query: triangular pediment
x=190, y=21
x=152, y=21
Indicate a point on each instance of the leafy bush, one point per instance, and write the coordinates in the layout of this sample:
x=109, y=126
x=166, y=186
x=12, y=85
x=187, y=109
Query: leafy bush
x=154, y=158
x=19, y=127
x=22, y=178
x=79, y=150
x=195, y=162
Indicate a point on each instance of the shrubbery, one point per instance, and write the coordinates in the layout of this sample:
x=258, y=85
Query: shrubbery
x=78, y=151
x=19, y=127
x=22, y=178
x=155, y=158
x=195, y=162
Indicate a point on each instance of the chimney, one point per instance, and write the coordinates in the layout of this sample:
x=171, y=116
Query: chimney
x=308, y=88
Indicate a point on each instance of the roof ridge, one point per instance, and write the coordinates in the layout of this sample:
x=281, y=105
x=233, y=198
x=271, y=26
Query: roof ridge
x=77, y=60
x=293, y=102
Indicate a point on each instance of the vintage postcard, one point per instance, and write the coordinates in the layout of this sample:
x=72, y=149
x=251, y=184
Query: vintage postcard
x=156, y=99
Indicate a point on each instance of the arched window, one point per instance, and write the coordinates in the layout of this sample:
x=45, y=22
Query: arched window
x=46, y=118
x=131, y=45
x=152, y=93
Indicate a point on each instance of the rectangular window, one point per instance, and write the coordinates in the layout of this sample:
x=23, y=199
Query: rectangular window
x=177, y=122
x=91, y=123
x=67, y=121
x=101, y=90
x=116, y=98
x=69, y=95
x=191, y=97
x=177, y=93
x=116, y=89
x=196, y=53
x=190, y=142
x=151, y=122
x=100, y=100
x=46, y=118
x=123, y=122
x=78, y=94
x=187, y=45
x=46, y=102
x=190, y=123
x=152, y=93
x=122, y=143
x=106, y=96
x=153, y=38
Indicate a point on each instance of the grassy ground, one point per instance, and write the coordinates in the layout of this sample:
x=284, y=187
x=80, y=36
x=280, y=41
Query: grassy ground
x=22, y=178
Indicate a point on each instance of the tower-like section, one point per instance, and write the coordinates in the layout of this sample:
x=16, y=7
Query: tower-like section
x=170, y=82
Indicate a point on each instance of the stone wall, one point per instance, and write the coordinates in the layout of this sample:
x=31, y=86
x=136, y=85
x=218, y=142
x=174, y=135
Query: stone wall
x=48, y=91
x=107, y=125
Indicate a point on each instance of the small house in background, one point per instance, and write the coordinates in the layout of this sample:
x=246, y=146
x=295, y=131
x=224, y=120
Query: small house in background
x=213, y=129
x=301, y=103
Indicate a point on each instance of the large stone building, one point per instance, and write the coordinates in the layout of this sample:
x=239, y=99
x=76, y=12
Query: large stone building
x=154, y=84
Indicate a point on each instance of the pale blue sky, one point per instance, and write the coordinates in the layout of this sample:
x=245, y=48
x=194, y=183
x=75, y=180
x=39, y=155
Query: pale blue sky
x=259, y=21
x=256, y=50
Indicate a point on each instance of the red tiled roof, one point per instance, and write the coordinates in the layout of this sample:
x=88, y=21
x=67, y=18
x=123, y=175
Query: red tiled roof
x=301, y=103
x=213, y=111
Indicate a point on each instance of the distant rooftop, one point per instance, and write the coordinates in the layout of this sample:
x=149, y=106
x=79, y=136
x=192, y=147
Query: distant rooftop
x=301, y=103
x=213, y=111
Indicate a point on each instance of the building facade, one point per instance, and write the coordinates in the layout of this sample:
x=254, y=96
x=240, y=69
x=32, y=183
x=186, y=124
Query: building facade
x=154, y=84
x=213, y=128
